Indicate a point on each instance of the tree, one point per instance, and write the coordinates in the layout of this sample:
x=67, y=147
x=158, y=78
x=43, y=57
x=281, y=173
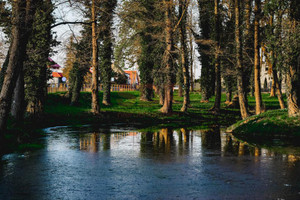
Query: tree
x=107, y=8
x=217, y=104
x=95, y=89
x=183, y=6
x=258, y=99
x=273, y=43
x=38, y=50
x=207, y=79
x=292, y=49
x=168, y=70
x=22, y=15
x=239, y=61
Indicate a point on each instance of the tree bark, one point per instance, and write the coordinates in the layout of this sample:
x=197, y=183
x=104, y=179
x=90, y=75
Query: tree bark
x=239, y=60
x=217, y=105
x=18, y=50
x=169, y=80
x=273, y=87
x=258, y=99
x=228, y=96
x=95, y=89
x=184, y=56
x=278, y=89
x=18, y=103
x=4, y=68
x=294, y=90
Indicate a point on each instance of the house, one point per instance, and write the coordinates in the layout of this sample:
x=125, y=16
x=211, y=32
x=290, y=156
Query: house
x=266, y=78
x=133, y=77
x=56, y=73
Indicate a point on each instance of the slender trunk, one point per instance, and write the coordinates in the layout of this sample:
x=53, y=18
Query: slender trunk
x=78, y=82
x=258, y=99
x=184, y=58
x=217, y=105
x=18, y=50
x=106, y=93
x=228, y=96
x=4, y=68
x=168, y=99
x=278, y=89
x=180, y=90
x=248, y=48
x=161, y=96
x=18, y=103
x=95, y=97
x=271, y=64
x=239, y=60
x=273, y=87
x=191, y=55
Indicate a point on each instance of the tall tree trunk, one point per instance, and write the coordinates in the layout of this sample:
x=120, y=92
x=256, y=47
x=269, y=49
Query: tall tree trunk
x=169, y=80
x=278, y=89
x=217, y=105
x=228, y=96
x=294, y=68
x=258, y=99
x=239, y=60
x=248, y=47
x=95, y=89
x=4, y=68
x=77, y=85
x=294, y=90
x=183, y=6
x=207, y=79
x=191, y=54
x=106, y=51
x=17, y=55
x=18, y=103
x=273, y=87
x=161, y=96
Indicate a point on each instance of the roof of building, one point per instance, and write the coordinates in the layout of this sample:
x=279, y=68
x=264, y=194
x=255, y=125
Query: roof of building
x=57, y=75
x=134, y=77
x=53, y=64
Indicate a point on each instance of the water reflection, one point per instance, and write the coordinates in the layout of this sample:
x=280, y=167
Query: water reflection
x=164, y=164
x=180, y=142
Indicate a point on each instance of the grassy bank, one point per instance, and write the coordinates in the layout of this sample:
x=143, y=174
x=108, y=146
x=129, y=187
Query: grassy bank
x=273, y=127
x=126, y=108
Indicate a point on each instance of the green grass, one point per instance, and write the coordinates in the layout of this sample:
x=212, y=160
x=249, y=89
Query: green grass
x=127, y=108
x=269, y=127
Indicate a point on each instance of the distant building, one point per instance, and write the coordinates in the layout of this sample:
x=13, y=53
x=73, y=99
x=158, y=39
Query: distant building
x=56, y=73
x=133, y=77
x=266, y=79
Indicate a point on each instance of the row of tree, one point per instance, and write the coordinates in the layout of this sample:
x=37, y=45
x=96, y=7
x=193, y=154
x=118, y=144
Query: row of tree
x=232, y=38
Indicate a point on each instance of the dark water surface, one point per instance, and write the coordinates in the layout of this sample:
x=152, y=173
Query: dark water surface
x=116, y=163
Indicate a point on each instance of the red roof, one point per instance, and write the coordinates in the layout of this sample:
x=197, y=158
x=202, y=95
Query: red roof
x=53, y=64
x=134, y=77
x=57, y=75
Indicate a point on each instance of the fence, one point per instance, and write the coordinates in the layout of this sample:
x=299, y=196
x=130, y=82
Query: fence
x=52, y=88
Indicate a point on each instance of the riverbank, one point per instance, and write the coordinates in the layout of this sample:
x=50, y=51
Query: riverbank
x=273, y=127
x=126, y=108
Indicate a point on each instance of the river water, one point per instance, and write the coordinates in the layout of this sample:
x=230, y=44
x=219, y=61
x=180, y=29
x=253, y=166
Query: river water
x=123, y=163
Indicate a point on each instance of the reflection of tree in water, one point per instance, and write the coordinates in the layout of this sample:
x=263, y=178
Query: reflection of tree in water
x=166, y=142
x=89, y=142
x=211, y=138
x=163, y=143
x=93, y=142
